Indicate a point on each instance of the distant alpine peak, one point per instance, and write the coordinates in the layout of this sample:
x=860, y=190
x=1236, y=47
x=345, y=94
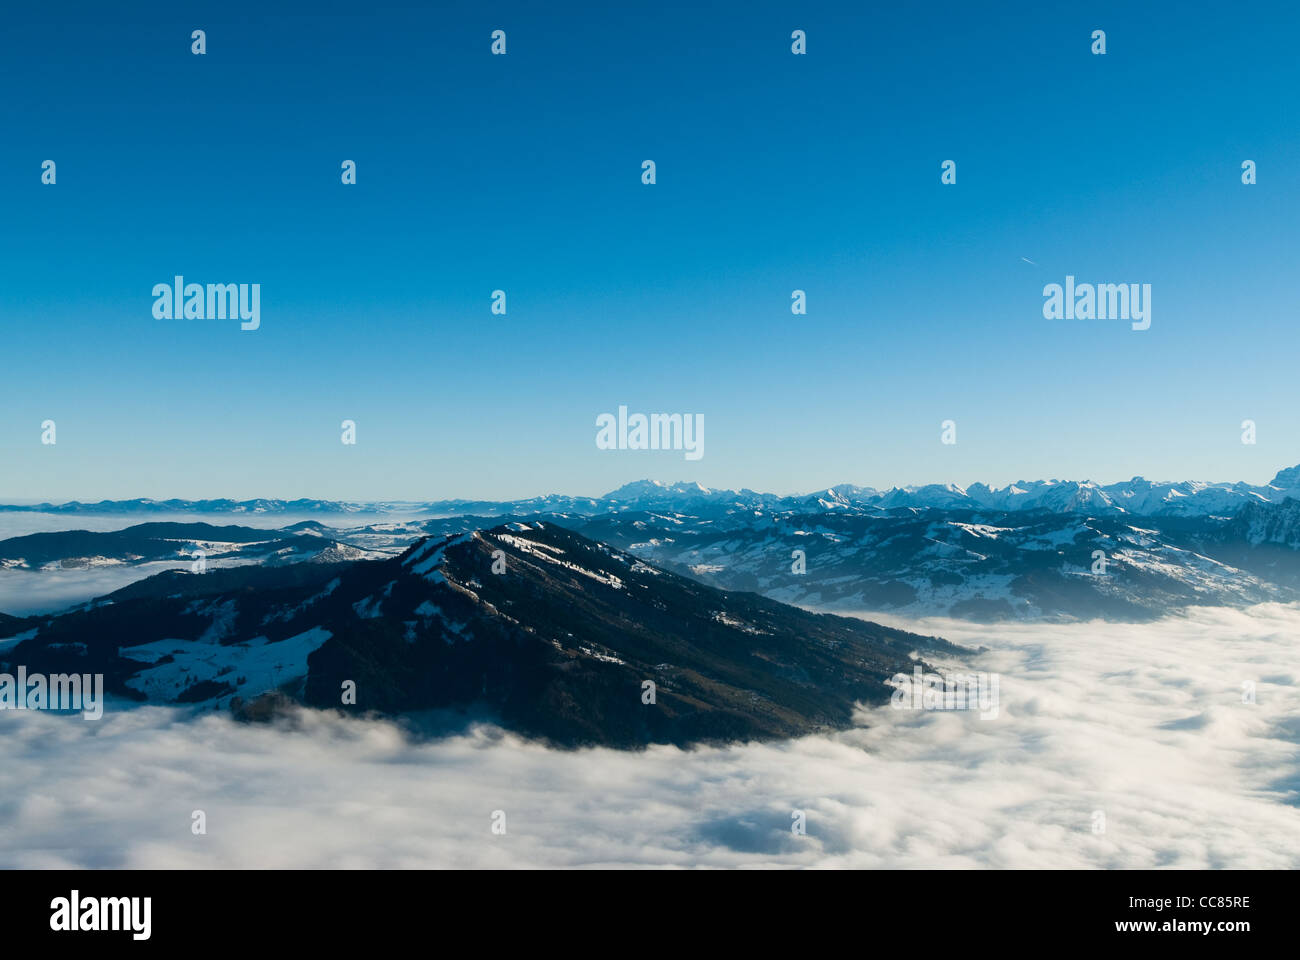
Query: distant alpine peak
x=642, y=488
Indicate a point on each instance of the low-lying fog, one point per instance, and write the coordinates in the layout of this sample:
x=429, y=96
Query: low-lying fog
x=1144, y=725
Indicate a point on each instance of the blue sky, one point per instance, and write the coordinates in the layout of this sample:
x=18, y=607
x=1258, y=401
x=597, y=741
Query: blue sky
x=522, y=173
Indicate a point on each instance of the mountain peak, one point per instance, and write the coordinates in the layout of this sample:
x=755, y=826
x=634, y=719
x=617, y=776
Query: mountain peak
x=1287, y=479
x=642, y=488
x=550, y=632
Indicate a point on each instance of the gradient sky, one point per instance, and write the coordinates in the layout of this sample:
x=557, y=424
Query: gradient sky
x=522, y=172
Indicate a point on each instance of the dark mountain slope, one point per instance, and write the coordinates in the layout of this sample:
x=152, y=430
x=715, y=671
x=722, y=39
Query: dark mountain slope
x=558, y=645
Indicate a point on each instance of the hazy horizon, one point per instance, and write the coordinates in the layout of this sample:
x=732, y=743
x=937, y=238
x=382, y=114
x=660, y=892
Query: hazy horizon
x=32, y=501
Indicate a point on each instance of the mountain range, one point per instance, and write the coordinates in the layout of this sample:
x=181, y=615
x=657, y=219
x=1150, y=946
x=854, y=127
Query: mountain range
x=551, y=616
x=1135, y=497
x=981, y=565
x=841, y=551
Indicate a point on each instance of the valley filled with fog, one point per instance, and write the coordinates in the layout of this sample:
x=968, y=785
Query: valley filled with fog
x=1142, y=724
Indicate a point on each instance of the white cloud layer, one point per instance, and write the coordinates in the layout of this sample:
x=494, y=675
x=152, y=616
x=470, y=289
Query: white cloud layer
x=1143, y=722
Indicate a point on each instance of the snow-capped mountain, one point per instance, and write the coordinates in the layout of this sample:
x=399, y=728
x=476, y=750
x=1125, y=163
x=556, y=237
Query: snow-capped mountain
x=979, y=564
x=1260, y=525
x=1135, y=497
x=554, y=634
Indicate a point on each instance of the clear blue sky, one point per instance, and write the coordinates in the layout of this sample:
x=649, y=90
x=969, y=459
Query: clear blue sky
x=522, y=172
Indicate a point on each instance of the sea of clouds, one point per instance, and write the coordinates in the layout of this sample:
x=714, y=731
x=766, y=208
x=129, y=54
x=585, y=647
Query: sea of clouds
x=1144, y=723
